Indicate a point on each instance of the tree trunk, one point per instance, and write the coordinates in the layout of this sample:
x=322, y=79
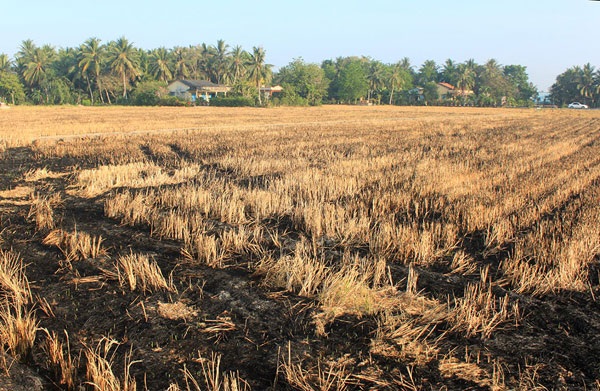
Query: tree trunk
x=258, y=88
x=107, y=96
x=392, y=95
x=124, y=87
x=99, y=88
x=90, y=90
x=12, y=96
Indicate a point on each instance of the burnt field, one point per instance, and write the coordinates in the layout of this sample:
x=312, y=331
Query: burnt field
x=332, y=248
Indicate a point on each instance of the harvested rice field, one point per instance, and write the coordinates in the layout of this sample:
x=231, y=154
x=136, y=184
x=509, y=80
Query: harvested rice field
x=326, y=248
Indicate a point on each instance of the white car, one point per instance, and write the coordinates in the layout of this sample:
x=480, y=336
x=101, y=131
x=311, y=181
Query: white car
x=577, y=105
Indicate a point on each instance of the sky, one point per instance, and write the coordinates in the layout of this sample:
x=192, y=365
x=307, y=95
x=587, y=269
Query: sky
x=546, y=36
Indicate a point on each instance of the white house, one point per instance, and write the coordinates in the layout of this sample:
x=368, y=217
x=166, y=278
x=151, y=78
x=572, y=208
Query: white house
x=193, y=90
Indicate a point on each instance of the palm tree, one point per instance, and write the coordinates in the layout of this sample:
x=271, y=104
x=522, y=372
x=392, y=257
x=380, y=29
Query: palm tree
x=181, y=68
x=471, y=64
x=428, y=72
x=123, y=61
x=492, y=67
x=586, y=83
x=25, y=52
x=237, y=65
x=92, y=58
x=465, y=79
x=5, y=63
x=449, y=72
x=67, y=66
x=37, y=65
x=204, y=61
x=395, y=78
x=160, y=64
x=258, y=70
x=375, y=77
x=220, y=59
x=405, y=64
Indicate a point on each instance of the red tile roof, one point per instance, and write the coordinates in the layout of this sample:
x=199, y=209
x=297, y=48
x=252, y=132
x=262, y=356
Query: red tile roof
x=450, y=86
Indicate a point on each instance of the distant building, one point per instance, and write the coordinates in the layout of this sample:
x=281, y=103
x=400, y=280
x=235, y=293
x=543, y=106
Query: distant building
x=445, y=90
x=194, y=90
x=270, y=90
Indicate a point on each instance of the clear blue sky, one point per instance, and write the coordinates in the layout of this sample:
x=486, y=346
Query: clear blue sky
x=547, y=36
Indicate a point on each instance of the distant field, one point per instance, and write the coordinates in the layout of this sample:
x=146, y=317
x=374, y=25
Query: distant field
x=26, y=123
x=327, y=248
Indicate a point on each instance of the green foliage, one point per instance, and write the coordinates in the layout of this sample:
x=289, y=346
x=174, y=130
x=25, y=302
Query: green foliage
x=290, y=97
x=307, y=81
x=351, y=83
x=428, y=72
x=11, y=89
x=430, y=92
x=232, y=101
x=168, y=100
x=577, y=84
x=149, y=93
x=105, y=72
x=517, y=76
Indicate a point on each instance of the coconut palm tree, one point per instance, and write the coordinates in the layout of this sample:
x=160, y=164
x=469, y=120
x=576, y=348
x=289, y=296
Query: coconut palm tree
x=428, y=72
x=259, y=72
x=395, y=79
x=449, y=72
x=585, y=86
x=5, y=63
x=124, y=61
x=25, y=53
x=237, y=64
x=37, y=65
x=205, y=61
x=465, y=79
x=92, y=58
x=181, y=66
x=470, y=63
x=219, y=59
x=405, y=64
x=160, y=64
x=375, y=77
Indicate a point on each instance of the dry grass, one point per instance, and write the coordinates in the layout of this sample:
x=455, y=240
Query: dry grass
x=18, y=328
x=60, y=361
x=214, y=379
x=334, y=377
x=75, y=245
x=140, y=273
x=361, y=211
x=42, y=212
x=13, y=281
x=23, y=124
x=480, y=311
x=100, y=373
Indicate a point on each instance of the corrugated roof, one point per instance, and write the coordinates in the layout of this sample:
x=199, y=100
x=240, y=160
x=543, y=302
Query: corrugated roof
x=200, y=83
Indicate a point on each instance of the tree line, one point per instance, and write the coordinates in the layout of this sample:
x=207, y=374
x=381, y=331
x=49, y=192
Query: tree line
x=116, y=71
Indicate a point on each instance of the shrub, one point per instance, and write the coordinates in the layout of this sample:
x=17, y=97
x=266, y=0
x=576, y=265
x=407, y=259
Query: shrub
x=148, y=93
x=293, y=100
x=171, y=101
x=232, y=101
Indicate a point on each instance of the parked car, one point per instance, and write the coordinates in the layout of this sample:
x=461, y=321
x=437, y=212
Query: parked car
x=577, y=105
